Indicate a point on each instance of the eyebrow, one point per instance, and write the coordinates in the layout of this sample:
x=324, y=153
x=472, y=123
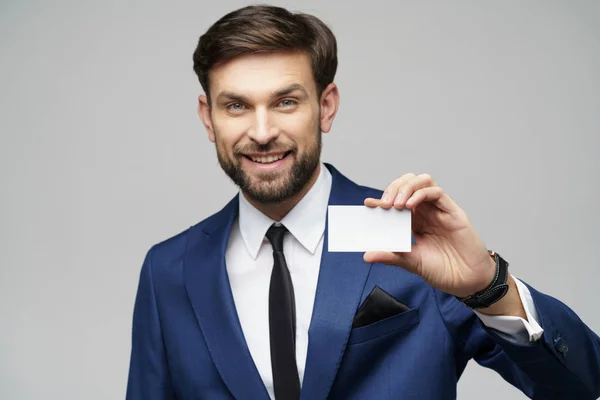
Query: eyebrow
x=226, y=95
x=290, y=89
x=232, y=96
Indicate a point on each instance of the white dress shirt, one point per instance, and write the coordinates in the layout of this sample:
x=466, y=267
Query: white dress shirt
x=249, y=259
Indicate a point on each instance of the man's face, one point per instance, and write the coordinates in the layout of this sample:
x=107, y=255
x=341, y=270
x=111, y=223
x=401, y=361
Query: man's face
x=266, y=123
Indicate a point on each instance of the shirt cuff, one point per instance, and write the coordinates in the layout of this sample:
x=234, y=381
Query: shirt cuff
x=516, y=329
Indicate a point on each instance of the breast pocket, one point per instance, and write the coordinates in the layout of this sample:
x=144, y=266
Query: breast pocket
x=394, y=324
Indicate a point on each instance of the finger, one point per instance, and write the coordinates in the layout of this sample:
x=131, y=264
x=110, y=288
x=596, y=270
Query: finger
x=389, y=194
x=406, y=190
x=371, y=202
x=435, y=195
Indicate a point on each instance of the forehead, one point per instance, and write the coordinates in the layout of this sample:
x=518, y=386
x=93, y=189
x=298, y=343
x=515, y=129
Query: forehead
x=262, y=73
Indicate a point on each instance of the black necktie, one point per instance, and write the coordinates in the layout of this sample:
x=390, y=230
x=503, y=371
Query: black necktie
x=282, y=322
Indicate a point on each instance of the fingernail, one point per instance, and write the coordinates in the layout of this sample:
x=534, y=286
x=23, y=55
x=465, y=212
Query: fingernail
x=386, y=197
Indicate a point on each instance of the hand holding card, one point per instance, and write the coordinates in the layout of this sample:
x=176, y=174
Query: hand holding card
x=448, y=253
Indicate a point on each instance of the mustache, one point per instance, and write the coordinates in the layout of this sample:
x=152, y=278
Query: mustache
x=262, y=148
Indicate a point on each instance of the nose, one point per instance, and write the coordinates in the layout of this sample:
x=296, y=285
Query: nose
x=262, y=131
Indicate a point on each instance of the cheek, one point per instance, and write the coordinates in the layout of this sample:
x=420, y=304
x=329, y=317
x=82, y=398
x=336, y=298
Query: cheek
x=229, y=132
x=300, y=127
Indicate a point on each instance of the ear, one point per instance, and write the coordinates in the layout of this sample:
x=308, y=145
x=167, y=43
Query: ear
x=330, y=102
x=204, y=114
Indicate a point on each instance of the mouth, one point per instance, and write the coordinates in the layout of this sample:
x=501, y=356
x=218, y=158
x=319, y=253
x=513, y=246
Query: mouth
x=267, y=159
x=267, y=163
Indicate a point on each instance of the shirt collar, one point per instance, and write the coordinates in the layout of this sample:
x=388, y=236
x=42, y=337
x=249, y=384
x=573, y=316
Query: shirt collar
x=306, y=221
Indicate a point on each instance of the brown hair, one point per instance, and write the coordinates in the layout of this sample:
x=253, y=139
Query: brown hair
x=254, y=29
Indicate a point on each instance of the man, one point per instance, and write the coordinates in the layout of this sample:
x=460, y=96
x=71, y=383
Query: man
x=249, y=304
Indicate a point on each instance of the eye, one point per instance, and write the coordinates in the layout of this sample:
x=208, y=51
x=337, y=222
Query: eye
x=235, y=107
x=287, y=103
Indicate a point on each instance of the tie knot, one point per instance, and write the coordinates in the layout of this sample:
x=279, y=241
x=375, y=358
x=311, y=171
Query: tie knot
x=275, y=235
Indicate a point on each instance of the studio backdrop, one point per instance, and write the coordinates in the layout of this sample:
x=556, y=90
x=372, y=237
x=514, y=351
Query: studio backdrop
x=102, y=155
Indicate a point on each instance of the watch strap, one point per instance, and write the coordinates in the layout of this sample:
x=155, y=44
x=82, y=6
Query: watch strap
x=495, y=291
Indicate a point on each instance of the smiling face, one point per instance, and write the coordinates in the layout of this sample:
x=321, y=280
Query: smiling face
x=266, y=118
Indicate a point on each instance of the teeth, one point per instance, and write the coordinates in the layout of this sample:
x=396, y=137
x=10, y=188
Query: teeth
x=266, y=160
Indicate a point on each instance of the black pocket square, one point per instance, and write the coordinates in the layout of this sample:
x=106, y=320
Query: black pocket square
x=377, y=306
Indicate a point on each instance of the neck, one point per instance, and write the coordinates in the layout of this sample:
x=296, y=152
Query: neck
x=276, y=211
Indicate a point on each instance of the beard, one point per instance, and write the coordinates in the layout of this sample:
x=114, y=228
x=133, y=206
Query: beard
x=273, y=187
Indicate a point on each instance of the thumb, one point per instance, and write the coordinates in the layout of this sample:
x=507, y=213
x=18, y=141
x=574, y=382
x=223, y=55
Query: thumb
x=405, y=260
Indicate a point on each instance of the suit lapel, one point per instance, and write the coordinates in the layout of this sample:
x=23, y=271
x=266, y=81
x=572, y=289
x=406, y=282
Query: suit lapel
x=208, y=288
x=342, y=278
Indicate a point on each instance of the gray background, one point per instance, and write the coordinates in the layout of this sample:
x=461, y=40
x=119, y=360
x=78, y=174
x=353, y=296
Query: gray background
x=102, y=155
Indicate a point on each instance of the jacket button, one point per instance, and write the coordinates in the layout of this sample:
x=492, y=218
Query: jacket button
x=561, y=345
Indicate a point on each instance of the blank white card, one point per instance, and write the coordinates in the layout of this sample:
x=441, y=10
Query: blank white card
x=361, y=228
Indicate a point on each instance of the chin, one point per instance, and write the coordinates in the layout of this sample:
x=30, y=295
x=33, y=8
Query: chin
x=272, y=191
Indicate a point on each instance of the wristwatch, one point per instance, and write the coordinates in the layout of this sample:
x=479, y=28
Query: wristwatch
x=495, y=291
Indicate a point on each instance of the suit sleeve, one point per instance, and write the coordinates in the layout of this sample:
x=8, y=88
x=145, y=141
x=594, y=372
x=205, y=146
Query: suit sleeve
x=563, y=364
x=148, y=371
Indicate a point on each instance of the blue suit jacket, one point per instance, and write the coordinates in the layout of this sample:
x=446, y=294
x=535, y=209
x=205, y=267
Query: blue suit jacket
x=188, y=342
